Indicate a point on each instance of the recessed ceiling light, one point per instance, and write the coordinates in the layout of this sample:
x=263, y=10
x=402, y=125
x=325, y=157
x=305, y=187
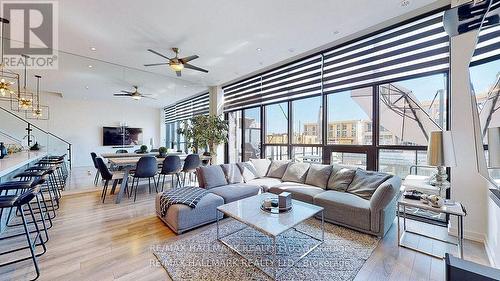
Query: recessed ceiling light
x=258, y=49
x=87, y=87
x=185, y=86
x=90, y=66
x=336, y=32
x=93, y=49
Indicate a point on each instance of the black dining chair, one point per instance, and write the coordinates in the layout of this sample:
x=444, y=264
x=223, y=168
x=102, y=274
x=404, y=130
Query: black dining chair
x=94, y=156
x=191, y=162
x=171, y=166
x=108, y=176
x=146, y=168
x=121, y=151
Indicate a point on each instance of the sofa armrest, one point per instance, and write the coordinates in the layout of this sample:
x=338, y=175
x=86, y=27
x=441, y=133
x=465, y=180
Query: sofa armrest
x=384, y=194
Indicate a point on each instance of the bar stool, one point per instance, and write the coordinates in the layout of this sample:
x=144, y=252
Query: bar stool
x=19, y=202
x=50, y=186
x=171, y=166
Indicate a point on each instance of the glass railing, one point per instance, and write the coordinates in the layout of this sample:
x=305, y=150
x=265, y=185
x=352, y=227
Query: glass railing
x=17, y=133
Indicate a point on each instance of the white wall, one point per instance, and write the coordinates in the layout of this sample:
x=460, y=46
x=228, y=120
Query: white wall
x=492, y=241
x=80, y=122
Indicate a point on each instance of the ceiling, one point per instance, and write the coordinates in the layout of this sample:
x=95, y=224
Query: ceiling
x=232, y=37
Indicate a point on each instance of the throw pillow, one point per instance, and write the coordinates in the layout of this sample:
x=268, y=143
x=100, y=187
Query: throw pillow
x=233, y=173
x=277, y=168
x=365, y=183
x=261, y=166
x=296, y=172
x=212, y=176
x=340, y=178
x=247, y=171
x=318, y=175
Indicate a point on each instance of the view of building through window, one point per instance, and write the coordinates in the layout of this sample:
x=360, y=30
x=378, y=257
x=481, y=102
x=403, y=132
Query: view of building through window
x=252, y=133
x=277, y=123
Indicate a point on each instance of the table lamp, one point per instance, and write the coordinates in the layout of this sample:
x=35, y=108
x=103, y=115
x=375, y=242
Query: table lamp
x=441, y=153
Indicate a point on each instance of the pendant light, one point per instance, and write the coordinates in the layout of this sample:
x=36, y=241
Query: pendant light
x=39, y=112
x=8, y=79
x=24, y=97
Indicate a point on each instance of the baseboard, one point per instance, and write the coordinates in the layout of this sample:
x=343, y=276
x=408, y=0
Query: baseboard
x=491, y=254
x=469, y=235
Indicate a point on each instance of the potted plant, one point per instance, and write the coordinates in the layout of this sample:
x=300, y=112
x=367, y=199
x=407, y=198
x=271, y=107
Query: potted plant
x=143, y=149
x=162, y=151
x=205, y=130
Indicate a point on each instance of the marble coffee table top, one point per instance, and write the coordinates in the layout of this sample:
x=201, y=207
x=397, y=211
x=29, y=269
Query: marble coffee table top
x=248, y=211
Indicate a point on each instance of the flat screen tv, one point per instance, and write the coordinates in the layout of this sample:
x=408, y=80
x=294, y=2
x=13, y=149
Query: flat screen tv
x=115, y=136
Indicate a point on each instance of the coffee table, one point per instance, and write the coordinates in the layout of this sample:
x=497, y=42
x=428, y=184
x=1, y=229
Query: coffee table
x=248, y=212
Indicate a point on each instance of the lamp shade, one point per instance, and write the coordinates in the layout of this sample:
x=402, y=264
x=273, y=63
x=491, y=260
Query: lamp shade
x=440, y=151
x=494, y=147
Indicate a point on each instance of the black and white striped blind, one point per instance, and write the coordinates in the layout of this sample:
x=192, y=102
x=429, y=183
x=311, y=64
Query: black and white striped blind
x=418, y=47
x=488, y=45
x=187, y=108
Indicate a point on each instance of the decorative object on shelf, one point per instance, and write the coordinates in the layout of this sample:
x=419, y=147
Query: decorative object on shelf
x=272, y=205
x=39, y=112
x=436, y=201
x=35, y=147
x=285, y=200
x=162, y=151
x=205, y=131
x=14, y=148
x=3, y=150
x=24, y=98
x=9, y=80
x=441, y=154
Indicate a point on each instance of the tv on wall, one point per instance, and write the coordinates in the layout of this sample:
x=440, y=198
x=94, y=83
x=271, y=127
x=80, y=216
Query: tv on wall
x=112, y=136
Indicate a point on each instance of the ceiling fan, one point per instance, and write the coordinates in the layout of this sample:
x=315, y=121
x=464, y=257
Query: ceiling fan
x=135, y=94
x=177, y=64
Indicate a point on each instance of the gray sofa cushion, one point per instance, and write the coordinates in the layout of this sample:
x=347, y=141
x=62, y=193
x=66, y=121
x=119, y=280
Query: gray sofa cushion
x=302, y=192
x=234, y=192
x=340, y=178
x=365, y=183
x=318, y=175
x=247, y=171
x=211, y=176
x=345, y=208
x=261, y=166
x=265, y=182
x=296, y=172
x=277, y=168
x=233, y=173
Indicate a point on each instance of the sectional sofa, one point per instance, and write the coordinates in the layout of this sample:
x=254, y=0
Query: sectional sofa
x=352, y=197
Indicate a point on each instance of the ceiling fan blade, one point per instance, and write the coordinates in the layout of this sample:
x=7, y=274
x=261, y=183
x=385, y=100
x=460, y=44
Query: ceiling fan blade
x=155, y=64
x=190, y=66
x=127, y=92
x=178, y=73
x=121, y=95
x=156, y=53
x=190, y=58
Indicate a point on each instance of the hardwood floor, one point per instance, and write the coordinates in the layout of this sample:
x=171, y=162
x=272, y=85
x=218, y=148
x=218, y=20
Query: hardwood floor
x=95, y=241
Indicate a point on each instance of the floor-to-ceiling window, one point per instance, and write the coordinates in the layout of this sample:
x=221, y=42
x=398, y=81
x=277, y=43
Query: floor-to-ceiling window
x=234, y=136
x=276, y=131
x=252, y=131
x=307, y=129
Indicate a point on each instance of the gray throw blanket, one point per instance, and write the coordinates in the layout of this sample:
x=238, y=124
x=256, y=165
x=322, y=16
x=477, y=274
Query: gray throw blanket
x=189, y=195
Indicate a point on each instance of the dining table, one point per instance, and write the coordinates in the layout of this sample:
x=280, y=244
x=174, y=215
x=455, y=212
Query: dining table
x=126, y=163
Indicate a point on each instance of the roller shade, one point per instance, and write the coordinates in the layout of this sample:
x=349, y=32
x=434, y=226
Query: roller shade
x=187, y=108
x=488, y=45
x=418, y=47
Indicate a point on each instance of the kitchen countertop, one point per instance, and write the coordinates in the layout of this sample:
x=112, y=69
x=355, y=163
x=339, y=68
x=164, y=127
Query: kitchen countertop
x=14, y=161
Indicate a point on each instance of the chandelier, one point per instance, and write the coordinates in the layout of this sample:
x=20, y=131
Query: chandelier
x=39, y=112
x=24, y=98
x=8, y=78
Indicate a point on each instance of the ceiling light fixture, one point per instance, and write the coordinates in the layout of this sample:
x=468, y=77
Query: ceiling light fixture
x=7, y=77
x=37, y=112
x=176, y=66
x=90, y=66
x=259, y=49
x=93, y=49
x=405, y=3
x=335, y=32
x=24, y=97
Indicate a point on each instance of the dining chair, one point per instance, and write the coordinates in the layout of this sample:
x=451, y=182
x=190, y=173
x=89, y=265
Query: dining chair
x=121, y=151
x=94, y=156
x=146, y=168
x=191, y=162
x=171, y=166
x=108, y=176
